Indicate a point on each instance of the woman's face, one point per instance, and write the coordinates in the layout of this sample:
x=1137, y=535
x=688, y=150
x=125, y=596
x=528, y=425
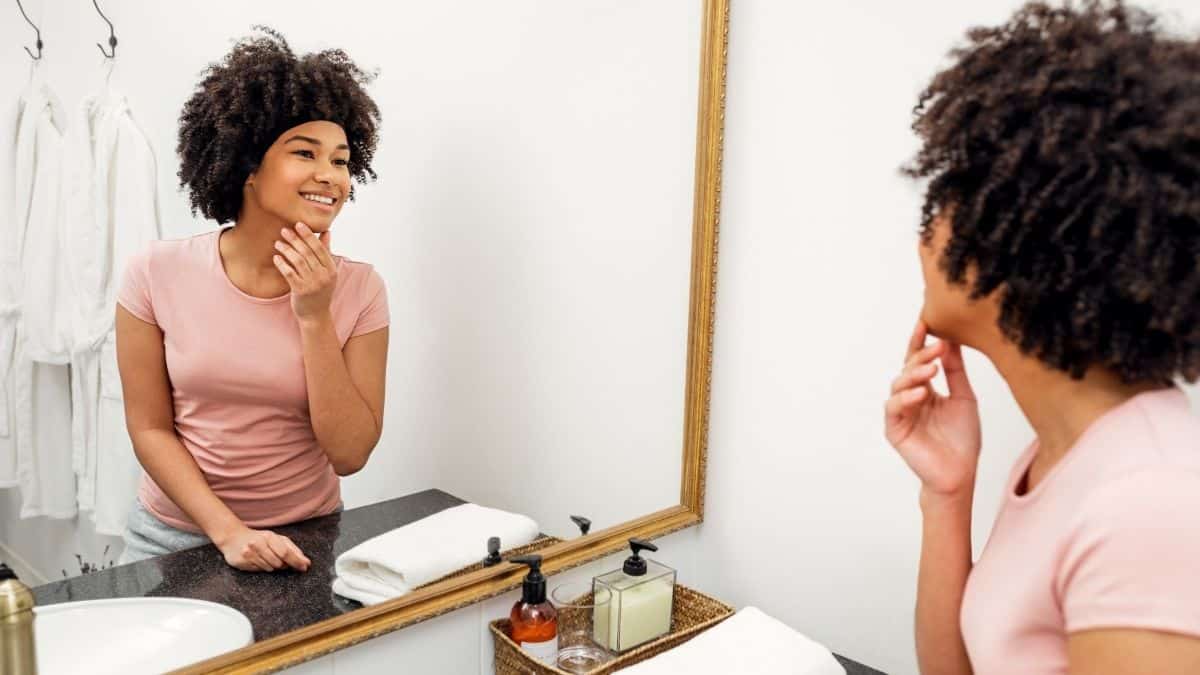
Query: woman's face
x=949, y=311
x=304, y=176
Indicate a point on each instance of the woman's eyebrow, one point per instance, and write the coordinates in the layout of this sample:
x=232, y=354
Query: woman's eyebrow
x=314, y=141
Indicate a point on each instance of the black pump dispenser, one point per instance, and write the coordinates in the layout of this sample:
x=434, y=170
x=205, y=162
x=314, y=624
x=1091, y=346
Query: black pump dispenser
x=493, y=556
x=635, y=565
x=6, y=573
x=533, y=589
x=583, y=523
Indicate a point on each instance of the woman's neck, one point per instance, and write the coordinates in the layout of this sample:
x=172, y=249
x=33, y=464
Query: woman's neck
x=248, y=251
x=1058, y=407
x=252, y=240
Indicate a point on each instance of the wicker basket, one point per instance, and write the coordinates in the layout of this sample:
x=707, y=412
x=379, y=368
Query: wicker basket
x=692, y=613
x=532, y=547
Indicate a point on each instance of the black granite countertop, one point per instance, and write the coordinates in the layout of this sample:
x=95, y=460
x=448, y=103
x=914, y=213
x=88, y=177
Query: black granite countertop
x=856, y=668
x=279, y=602
x=275, y=603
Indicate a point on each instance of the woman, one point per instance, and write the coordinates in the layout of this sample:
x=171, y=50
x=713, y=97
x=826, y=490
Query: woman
x=252, y=359
x=1059, y=237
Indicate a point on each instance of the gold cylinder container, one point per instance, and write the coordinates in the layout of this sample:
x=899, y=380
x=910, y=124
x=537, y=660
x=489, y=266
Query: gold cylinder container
x=17, y=655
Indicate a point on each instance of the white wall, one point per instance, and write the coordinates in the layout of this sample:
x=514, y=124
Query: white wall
x=810, y=516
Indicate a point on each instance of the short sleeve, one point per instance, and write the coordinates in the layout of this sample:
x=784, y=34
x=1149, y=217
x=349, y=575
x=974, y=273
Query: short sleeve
x=134, y=293
x=1134, y=561
x=374, y=314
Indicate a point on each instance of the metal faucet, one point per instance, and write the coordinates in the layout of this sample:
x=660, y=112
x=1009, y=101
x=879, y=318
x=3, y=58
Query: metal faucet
x=17, y=651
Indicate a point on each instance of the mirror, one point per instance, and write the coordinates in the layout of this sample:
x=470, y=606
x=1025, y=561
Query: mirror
x=544, y=225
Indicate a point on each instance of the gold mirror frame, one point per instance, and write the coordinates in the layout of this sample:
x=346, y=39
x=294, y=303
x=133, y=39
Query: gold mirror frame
x=355, y=627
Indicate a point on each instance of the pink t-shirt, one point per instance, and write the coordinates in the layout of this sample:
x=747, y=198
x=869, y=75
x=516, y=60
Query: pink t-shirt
x=1110, y=538
x=237, y=379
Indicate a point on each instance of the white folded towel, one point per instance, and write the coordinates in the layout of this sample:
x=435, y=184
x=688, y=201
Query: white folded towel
x=747, y=643
x=395, y=562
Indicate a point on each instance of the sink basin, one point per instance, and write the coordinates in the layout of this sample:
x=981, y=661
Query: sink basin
x=135, y=635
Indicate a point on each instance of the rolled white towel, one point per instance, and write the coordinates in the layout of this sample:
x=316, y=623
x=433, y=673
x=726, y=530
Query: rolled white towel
x=747, y=643
x=393, y=563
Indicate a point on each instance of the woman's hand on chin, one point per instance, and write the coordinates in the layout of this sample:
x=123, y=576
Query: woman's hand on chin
x=308, y=267
x=937, y=436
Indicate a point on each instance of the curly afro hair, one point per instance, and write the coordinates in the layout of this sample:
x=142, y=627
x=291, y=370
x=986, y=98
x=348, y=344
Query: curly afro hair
x=1065, y=148
x=257, y=92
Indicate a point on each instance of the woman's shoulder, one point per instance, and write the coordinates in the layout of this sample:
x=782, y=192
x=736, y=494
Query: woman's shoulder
x=357, y=266
x=361, y=295
x=162, y=259
x=358, y=274
x=1152, y=467
x=196, y=247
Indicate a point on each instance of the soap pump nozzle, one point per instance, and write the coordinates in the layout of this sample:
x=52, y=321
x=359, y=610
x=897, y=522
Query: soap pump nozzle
x=493, y=556
x=635, y=565
x=533, y=588
x=584, y=524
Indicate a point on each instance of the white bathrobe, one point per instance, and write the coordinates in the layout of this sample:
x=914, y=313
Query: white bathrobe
x=9, y=271
x=40, y=397
x=111, y=212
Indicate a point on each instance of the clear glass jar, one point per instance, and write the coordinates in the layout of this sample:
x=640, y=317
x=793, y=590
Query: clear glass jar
x=639, y=607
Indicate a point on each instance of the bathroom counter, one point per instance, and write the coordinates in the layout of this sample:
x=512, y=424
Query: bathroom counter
x=856, y=668
x=275, y=603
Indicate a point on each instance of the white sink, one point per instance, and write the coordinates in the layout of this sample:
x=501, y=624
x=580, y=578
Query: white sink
x=134, y=635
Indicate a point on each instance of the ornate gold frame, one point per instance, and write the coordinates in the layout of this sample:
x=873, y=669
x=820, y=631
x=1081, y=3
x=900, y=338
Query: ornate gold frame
x=349, y=629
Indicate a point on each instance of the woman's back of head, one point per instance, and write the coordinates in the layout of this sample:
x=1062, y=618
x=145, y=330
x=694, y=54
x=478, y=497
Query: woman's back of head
x=1067, y=142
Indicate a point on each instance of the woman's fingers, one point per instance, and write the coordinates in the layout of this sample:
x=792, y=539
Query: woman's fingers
x=293, y=556
x=900, y=414
x=252, y=562
x=307, y=245
x=903, y=403
x=288, y=552
x=917, y=340
x=295, y=257
x=263, y=549
x=279, y=547
x=926, y=354
x=314, y=245
x=956, y=373
x=914, y=377
x=286, y=270
x=913, y=387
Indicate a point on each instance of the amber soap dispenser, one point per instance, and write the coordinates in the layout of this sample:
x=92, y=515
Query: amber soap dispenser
x=534, y=620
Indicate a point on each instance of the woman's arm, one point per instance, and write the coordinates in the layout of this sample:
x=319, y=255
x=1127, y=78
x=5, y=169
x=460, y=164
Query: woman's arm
x=939, y=438
x=945, y=563
x=1123, y=651
x=345, y=391
x=150, y=420
x=345, y=386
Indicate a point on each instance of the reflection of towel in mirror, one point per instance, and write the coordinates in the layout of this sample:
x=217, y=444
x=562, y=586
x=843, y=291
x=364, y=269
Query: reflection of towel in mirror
x=747, y=643
x=396, y=562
